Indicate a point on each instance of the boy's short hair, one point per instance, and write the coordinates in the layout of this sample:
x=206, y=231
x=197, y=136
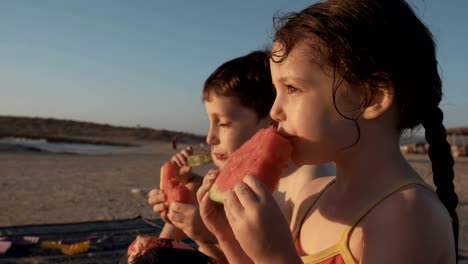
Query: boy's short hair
x=248, y=78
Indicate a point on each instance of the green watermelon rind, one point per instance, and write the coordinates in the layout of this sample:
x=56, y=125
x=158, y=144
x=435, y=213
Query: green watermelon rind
x=216, y=196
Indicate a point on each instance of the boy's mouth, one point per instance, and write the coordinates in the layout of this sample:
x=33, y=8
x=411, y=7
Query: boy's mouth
x=221, y=157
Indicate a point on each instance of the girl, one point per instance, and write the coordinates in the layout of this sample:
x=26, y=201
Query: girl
x=350, y=75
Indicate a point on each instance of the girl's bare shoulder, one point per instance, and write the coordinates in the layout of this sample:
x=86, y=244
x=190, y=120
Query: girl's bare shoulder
x=414, y=215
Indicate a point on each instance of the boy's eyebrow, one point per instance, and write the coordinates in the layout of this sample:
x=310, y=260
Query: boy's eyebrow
x=220, y=115
x=217, y=115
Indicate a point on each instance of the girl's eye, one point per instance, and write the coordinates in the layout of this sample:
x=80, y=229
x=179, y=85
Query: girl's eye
x=291, y=89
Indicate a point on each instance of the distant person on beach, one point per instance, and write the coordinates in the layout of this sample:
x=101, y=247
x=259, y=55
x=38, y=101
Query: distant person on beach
x=174, y=142
x=350, y=76
x=238, y=97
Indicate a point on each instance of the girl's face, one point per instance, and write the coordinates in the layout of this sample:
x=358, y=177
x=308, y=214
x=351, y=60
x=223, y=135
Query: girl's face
x=231, y=124
x=304, y=106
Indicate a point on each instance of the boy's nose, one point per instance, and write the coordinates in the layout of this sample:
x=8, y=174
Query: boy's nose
x=212, y=138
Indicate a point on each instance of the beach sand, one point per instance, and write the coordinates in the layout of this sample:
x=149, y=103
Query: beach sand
x=42, y=188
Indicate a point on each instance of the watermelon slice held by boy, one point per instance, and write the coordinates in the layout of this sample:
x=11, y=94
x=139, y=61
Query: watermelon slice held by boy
x=265, y=155
x=171, y=186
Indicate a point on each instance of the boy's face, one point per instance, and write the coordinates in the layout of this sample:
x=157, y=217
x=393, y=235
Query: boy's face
x=231, y=124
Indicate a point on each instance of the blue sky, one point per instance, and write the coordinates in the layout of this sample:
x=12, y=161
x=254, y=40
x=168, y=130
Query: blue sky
x=144, y=62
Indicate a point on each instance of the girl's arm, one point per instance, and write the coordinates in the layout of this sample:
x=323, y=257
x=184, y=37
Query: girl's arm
x=213, y=250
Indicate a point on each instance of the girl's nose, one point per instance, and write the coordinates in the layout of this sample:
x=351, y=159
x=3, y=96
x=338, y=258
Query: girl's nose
x=276, y=112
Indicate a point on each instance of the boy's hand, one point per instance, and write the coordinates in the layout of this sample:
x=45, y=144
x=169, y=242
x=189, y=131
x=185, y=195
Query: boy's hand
x=157, y=200
x=180, y=159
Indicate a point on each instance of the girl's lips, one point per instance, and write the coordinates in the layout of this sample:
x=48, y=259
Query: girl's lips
x=283, y=133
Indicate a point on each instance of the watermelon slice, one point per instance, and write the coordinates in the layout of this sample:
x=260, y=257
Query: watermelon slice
x=171, y=186
x=265, y=155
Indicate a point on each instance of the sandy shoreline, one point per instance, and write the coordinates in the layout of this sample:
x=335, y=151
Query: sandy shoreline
x=42, y=188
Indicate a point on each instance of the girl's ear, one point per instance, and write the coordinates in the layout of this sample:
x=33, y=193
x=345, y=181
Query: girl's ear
x=381, y=103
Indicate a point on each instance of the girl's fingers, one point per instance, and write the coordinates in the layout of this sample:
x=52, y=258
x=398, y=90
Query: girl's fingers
x=244, y=194
x=257, y=187
x=233, y=207
x=208, y=181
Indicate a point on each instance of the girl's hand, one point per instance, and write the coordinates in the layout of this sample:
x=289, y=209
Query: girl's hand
x=187, y=218
x=157, y=200
x=211, y=212
x=258, y=223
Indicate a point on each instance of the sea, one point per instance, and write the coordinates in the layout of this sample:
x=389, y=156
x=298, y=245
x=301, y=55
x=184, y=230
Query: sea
x=42, y=145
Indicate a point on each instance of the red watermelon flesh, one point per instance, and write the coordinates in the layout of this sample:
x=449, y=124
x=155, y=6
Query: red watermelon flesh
x=171, y=186
x=265, y=155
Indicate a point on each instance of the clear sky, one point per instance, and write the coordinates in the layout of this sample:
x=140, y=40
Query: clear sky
x=144, y=62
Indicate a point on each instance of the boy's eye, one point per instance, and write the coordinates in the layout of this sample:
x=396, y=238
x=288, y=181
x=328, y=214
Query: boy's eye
x=225, y=124
x=291, y=89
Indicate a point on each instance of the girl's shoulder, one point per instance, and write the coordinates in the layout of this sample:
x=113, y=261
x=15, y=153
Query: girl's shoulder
x=415, y=225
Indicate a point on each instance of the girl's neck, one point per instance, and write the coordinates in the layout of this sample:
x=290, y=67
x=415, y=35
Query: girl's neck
x=372, y=163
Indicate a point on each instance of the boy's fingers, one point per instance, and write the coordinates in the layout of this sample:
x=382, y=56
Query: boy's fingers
x=189, y=149
x=175, y=160
x=181, y=207
x=181, y=159
x=185, y=153
x=154, y=192
x=165, y=218
x=159, y=208
x=158, y=198
x=175, y=216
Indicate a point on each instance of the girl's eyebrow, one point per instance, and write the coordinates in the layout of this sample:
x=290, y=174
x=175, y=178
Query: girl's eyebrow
x=288, y=78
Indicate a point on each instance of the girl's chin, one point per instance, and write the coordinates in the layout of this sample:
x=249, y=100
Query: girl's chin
x=300, y=159
x=297, y=161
